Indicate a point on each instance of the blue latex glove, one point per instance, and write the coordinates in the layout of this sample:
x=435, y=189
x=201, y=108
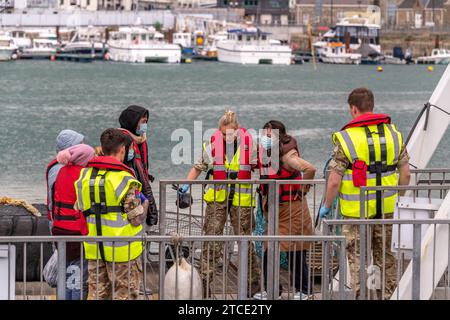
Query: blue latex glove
x=324, y=211
x=183, y=188
x=143, y=198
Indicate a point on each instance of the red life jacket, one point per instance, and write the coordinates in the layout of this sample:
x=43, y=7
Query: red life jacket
x=64, y=215
x=49, y=167
x=368, y=119
x=140, y=152
x=218, y=154
x=286, y=192
x=109, y=163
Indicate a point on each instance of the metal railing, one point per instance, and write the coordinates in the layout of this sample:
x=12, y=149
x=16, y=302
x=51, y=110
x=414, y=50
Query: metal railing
x=225, y=260
x=193, y=220
x=164, y=287
x=397, y=237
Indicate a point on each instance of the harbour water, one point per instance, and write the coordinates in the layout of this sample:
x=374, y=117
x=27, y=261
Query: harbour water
x=38, y=99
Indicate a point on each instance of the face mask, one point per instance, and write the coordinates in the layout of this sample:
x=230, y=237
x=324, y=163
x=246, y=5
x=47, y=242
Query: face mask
x=142, y=129
x=266, y=142
x=130, y=155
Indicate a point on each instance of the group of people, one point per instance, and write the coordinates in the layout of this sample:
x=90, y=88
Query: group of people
x=107, y=192
x=104, y=191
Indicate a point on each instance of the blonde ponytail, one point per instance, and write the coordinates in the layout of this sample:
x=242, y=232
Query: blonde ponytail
x=229, y=118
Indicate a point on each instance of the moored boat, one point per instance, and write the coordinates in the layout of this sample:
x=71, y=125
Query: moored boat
x=142, y=45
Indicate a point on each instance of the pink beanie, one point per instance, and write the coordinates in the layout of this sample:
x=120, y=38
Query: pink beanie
x=79, y=154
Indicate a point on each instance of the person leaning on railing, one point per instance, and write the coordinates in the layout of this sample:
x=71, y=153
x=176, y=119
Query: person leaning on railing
x=109, y=196
x=368, y=152
x=285, y=163
x=231, y=155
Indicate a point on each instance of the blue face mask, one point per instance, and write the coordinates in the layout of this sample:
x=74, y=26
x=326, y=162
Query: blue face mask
x=130, y=155
x=142, y=129
x=266, y=142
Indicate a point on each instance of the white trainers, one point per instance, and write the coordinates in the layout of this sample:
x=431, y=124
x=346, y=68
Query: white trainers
x=262, y=296
x=300, y=296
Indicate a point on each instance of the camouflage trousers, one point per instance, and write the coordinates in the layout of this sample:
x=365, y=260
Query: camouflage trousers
x=101, y=284
x=243, y=222
x=381, y=266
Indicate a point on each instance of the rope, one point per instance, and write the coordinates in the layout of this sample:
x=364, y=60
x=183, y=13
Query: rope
x=14, y=202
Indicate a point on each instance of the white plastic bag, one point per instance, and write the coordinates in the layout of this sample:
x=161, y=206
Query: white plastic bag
x=50, y=271
x=187, y=277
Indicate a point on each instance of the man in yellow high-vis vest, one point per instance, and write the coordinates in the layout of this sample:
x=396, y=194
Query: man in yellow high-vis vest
x=109, y=196
x=369, y=151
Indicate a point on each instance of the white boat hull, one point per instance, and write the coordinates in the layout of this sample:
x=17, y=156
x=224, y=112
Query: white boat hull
x=142, y=54
x=6, y=54
x=37, y=54
x=431, y=60
x=281, y=55
x=348, y=59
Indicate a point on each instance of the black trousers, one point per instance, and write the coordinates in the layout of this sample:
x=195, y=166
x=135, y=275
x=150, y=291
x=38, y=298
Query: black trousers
x=298, y=264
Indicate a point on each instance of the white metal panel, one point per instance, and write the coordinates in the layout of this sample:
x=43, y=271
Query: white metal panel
x=5, y=276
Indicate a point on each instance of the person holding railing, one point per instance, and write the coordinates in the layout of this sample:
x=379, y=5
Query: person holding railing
x=109, y=196
x=279, y=159
x=368, y=151
x=231, y=155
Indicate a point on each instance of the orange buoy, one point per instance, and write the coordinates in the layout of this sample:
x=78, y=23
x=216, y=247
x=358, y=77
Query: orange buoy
x=380, y=69
x=106, y=56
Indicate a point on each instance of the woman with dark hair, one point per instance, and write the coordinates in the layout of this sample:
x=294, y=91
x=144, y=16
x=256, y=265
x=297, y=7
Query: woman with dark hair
x=134, y=123
x=279, y=159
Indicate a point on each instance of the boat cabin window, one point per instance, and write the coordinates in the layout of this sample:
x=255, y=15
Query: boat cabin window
x=263, y=37
x=4, y=43
x=240, y=37
x=143, y=37
x=249, y=38
x=134, y=37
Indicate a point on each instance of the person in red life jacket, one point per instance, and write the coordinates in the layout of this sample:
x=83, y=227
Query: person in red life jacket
x=65, y=139
x=134, y=123
x=279, y=159
x=369, y=151
x=230, y=155
x=68, y=221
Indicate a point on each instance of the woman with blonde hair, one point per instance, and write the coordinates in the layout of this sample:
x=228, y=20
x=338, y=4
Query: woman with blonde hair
x=230, y=155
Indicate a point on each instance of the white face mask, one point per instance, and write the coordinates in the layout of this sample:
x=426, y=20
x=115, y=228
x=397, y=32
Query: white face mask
x=142, y=129
x=130, y=155
x=266, y=142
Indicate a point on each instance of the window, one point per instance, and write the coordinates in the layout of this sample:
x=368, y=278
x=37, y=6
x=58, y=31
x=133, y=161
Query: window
x=240, y=37
x=225, y=2
x=263, y=37
x=88, y=3
x=61, y=2
x=249, y=38
x=143, y=37
x=274, y=4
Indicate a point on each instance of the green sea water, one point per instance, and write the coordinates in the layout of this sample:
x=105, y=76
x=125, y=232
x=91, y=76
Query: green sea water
x=38, y=99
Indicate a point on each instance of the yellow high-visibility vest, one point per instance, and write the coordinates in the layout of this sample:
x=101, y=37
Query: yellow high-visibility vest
x=357, y=143
x=113, y=221
x=243, y=194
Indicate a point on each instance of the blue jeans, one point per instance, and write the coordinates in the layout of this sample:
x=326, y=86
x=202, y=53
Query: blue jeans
x=73, y=280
